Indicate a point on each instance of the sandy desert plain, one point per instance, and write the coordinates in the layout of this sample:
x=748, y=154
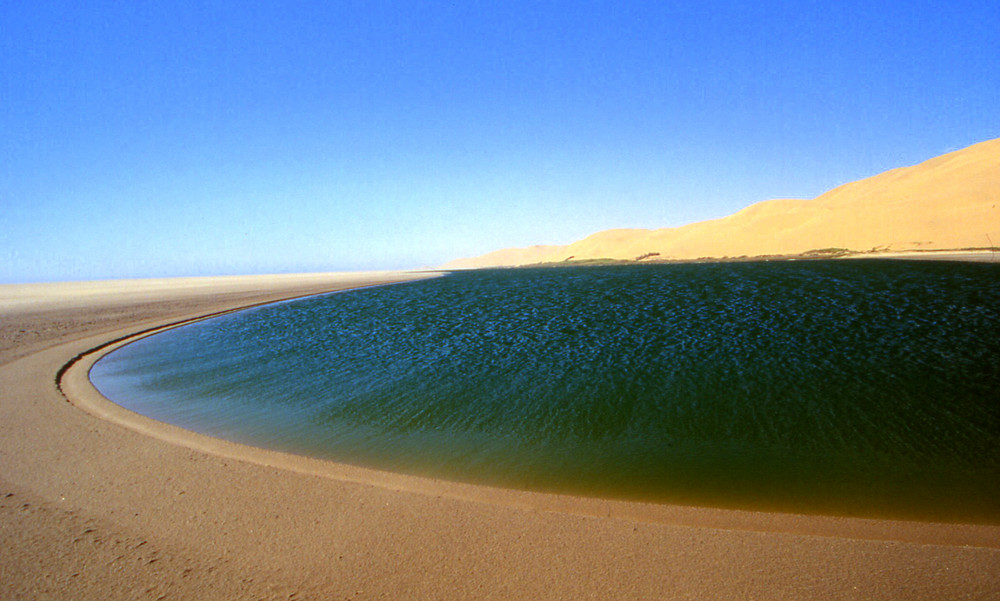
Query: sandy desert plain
x=100, y=503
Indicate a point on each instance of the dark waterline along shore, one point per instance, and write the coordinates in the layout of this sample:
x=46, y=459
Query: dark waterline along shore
x=92, y=509
x=823, y=387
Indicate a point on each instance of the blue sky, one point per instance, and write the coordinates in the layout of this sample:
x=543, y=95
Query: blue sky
x=155, y=139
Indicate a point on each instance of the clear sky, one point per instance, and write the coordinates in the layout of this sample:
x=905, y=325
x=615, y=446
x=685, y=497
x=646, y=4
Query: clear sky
x=173, y=138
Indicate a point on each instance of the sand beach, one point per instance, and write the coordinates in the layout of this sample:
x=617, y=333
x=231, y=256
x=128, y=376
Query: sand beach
x=100, y=503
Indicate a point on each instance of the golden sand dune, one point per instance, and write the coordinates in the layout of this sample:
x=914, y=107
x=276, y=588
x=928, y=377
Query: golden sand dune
x=948, y=202
x=509, y=257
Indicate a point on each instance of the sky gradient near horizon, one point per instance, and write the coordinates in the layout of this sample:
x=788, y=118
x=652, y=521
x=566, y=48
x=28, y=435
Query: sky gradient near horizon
x=171, y=139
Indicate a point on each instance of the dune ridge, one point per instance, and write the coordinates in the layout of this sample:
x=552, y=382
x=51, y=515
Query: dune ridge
x=949, y=202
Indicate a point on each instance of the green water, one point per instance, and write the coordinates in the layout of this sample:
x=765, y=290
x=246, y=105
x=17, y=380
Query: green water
x=854, y=388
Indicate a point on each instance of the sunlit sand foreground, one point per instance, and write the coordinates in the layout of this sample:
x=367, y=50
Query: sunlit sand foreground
x=99, y=503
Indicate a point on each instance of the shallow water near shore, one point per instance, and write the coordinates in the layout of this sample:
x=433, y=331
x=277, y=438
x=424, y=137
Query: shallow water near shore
x=853, y=388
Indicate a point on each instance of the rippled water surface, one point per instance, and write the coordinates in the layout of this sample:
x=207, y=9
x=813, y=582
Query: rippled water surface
x=867, y=387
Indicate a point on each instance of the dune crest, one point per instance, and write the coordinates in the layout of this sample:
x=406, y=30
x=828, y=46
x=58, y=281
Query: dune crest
x=948, y=202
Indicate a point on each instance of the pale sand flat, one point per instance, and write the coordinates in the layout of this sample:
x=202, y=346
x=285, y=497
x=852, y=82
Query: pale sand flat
x=98, y=503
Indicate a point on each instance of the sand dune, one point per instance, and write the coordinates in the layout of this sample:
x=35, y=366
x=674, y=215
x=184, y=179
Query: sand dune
x=509, y=256
x=948, y=202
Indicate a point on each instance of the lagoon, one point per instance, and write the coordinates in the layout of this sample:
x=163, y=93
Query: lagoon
x=852, y=388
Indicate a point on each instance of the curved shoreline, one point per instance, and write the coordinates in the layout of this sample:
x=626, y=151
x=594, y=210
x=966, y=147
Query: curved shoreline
x=73, y=381
x=243, y=520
